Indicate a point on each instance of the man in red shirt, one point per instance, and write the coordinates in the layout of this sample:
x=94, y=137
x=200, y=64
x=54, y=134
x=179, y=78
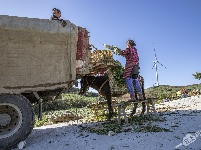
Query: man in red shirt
x=131, y=71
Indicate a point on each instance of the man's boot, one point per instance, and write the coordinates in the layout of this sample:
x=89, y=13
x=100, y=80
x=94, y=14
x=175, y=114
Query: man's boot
x=133, y=99
x=141, y=97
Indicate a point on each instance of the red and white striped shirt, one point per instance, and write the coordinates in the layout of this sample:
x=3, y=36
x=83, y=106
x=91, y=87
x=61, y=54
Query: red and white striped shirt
x=132, y=59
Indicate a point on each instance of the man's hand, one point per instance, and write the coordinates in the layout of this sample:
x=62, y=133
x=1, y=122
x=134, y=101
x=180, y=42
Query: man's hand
x=117, y=51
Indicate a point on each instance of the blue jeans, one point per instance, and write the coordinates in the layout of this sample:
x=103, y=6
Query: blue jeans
x=131, y=83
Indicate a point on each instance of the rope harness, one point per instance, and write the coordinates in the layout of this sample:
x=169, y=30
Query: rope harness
x=103, y=85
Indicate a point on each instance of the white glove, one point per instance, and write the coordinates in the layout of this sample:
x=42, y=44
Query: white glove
x=115, y=50
x=107, y=46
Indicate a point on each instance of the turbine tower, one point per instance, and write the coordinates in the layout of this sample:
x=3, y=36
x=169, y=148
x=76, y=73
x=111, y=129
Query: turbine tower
x=155, y=65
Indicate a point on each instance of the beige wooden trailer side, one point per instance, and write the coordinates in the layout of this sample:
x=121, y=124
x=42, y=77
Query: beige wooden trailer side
x=36, y=54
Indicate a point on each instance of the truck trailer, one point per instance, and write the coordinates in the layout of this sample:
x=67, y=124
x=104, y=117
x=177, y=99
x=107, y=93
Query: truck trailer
x=39, y=58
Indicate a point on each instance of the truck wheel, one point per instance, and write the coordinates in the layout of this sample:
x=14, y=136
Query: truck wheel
x=16, y=120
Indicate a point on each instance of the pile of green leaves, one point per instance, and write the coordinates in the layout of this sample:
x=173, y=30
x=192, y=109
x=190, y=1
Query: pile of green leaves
x=117, y=71
x=136, y=124
x=105, y=127
x=143, y=124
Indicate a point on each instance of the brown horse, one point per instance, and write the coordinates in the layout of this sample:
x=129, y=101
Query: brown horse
x=101, y=84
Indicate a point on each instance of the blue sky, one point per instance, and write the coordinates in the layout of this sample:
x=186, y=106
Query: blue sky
x=174, y=26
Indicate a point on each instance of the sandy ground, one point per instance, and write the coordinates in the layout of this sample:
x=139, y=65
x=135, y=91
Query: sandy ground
x=183, y=118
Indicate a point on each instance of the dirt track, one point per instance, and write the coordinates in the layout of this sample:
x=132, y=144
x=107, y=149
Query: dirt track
x=185, y=118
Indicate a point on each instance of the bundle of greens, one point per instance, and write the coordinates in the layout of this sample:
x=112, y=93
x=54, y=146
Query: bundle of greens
x=114, y=49
x=117, y=71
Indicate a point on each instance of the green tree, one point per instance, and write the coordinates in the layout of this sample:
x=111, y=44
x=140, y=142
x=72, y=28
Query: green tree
x=197, y=75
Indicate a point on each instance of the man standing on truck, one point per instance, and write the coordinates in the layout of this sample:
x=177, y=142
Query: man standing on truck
x=56, y=15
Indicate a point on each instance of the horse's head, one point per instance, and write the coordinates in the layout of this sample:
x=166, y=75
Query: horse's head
x=86, y=82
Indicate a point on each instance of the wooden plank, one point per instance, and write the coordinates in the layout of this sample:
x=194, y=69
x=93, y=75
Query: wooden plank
x=123, y=104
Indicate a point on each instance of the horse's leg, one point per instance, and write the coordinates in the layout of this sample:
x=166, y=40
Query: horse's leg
x=108, y=95
x=109, y=102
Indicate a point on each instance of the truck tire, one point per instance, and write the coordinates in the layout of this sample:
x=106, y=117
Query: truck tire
x=16, y=120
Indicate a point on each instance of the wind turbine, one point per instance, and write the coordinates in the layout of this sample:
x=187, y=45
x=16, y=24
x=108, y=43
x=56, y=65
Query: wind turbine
x=155, y=65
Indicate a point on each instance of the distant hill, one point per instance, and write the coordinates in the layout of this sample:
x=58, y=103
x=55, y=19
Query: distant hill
x=160, y=92
x=167, y=91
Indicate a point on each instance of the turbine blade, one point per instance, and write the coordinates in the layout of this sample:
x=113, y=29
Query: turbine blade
x=155, y=52
x=154, y=65
x=161, y=64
